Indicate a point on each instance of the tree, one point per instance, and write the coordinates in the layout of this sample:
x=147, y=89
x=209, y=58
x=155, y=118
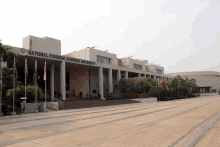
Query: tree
x=8, y=55
x=7, y=76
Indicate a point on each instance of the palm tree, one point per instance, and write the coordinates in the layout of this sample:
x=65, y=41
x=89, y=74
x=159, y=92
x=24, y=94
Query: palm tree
x=192, y=83
x=176, y=83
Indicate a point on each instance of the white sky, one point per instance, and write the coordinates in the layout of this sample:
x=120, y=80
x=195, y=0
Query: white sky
x=180, y=35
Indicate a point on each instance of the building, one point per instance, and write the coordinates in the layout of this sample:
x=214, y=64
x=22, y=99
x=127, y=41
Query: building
x=89, y=70
x=45, y=44
x=208, y=81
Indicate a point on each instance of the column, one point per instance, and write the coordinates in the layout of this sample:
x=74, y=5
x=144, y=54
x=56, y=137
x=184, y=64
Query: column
x=126, y=74
x=63, y=79
x=52, y=81
x=139, y=74
x=145, y=75
x=118, y=75
x=110, y=80
x=101, y=82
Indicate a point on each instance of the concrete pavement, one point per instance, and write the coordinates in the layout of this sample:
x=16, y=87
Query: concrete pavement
x=184, y=122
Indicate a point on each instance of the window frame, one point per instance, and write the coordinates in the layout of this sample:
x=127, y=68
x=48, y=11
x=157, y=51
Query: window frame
x=102, y=59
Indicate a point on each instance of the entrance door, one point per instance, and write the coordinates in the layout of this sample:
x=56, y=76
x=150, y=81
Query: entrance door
x=105, y=88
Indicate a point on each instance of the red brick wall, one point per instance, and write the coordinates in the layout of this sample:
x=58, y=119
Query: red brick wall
x=119, y=62
x=79, y=80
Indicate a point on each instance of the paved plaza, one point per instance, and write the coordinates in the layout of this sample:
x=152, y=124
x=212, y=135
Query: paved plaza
x=184, y=122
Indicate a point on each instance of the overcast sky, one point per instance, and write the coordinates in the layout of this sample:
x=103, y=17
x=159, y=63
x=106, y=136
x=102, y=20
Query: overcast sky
x=180, y=35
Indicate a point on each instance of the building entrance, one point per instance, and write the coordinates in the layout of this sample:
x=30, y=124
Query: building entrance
x=106, y=90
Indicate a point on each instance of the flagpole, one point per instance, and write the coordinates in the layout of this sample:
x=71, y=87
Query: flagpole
x=36, y=85
x=45, y=73
x=25, y=81
x=14, y=90
x=158, y=81
x=45, y=92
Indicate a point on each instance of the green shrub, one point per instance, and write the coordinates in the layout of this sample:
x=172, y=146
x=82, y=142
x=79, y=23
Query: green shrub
x=20, y=92
x=116, y=95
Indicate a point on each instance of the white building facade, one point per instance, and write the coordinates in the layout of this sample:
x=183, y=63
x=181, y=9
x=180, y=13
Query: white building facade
x=89, y=71
x=208, y=81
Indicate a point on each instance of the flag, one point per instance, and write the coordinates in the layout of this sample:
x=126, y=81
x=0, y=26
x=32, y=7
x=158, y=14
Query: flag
x=26, y=70
x=35, y=73
x=45, y=71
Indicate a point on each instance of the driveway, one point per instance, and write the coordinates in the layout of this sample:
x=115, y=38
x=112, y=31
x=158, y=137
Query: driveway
x=177, y=123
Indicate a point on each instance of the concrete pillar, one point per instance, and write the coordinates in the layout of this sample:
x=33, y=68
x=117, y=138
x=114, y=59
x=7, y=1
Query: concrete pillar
x=145, y=75
x=52, y=82
x=101, y=82
x=118, y=75
x=110, y=80
x=63, y=79
x=126, y=74
x=139, y=74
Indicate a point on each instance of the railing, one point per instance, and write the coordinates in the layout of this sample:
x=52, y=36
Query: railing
x=61, y=104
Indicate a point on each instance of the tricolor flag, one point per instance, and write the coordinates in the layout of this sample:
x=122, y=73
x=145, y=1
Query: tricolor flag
x=26, y=68
x=35, y=74
x=45, y=71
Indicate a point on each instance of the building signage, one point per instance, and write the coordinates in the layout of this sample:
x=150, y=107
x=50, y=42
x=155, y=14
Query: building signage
x=52, y=56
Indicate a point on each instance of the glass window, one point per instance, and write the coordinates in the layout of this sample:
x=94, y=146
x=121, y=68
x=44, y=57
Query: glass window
x=103, y=60
x=159, y=71
x=136, y=66
x=30, y=42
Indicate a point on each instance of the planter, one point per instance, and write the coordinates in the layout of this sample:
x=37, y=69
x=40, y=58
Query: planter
x=31, y=107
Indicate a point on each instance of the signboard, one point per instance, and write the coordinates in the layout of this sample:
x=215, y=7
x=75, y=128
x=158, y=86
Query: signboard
x=23, y=98
x=53, y=56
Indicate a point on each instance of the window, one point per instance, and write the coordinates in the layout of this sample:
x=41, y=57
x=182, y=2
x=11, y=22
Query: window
x=93, y=91
x=103, y=60
x=136, y=66
x=159, y=71
x=30, y=42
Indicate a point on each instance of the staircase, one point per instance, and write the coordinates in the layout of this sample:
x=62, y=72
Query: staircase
x=60, y=103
